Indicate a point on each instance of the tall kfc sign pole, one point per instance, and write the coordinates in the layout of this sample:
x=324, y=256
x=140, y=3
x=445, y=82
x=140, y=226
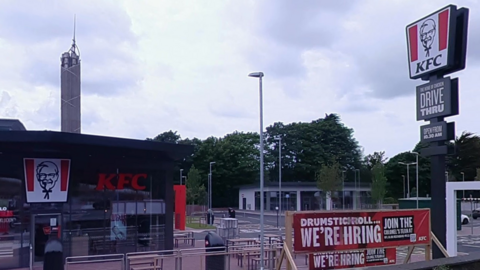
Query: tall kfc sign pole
x=437, y=46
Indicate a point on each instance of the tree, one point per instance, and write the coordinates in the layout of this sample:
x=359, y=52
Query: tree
x=466, y=158
x=329, y=180
x=373, y=159
x=306, y=146
x=379, y=183
x=167, y=137
x=195, y=189
x=395, y=173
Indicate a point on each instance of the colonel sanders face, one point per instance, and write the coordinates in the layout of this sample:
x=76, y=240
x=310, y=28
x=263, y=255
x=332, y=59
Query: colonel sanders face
x=427, y=34
x=47, y=176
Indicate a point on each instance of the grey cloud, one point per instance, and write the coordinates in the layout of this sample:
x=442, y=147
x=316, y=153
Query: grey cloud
x=4, y=99
x=103, y=35
x=286, y=29
x=302, y=24
x=32, y=22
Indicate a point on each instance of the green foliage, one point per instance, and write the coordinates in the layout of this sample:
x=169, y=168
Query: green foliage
x=413, y=193
x=195, y=189
x=167, y=137
x=306, y=146
x=394, y=172
x=379, y=182
x=329, y=178
x=389, y=200
x=466, y=158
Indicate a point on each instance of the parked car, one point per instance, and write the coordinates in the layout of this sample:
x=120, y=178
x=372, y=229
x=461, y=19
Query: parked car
x=465, y=219
x=476, y=213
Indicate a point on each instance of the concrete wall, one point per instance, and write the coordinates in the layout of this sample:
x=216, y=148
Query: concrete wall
x=249, y=194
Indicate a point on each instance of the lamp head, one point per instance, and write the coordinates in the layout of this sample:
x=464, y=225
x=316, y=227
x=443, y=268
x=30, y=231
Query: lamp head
x=256, y=74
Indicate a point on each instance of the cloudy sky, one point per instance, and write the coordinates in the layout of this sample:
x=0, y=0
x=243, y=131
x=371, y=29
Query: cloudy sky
x=150, y=66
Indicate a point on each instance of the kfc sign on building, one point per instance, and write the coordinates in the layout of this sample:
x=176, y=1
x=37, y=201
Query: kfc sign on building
x=46, y=180
x=431, y=42
x=114, y=181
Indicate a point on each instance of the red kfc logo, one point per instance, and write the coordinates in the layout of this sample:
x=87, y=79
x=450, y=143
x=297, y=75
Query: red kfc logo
x=46, y=180
x=105, y=181
x=428, y=41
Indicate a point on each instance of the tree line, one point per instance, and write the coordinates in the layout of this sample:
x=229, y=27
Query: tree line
x=323, y=151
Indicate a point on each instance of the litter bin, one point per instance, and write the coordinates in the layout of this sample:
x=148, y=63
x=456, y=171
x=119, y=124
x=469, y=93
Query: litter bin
x=53, y=257
x=214, y=243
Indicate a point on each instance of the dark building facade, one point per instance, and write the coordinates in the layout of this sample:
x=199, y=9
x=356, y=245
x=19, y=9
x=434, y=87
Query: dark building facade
x=98, y=195
x=70, y=83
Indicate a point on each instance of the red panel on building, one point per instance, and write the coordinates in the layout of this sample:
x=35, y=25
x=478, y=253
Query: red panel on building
x=180, y=206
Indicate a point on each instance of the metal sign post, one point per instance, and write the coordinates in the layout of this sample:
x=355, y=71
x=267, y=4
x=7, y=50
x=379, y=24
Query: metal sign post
x=437, y=47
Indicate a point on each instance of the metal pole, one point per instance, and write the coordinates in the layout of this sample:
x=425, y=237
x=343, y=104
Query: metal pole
x=343, y=190
x=280, y=174
x=418, y=191
x=355, y=191
x=209, y=186
x=471, y=203
x=408, y=180
x=181, y=170
x=262, y=252
x=463, y=180
x=403, y=186
x=359, y=187
x=210, y=195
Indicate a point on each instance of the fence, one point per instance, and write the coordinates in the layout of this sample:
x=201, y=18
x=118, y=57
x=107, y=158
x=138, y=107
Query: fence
x=233, y=258
x=105, y=262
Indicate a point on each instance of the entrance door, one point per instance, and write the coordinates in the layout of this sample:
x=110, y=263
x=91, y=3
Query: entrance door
x=244, y=203
x=44, y=227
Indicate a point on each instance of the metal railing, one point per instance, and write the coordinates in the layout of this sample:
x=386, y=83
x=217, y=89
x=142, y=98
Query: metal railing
x=113, y=259
x=234, y=257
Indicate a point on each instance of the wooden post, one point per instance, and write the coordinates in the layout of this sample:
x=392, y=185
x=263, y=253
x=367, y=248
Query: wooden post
x=288, y=234
x=409, y=254
x=439, y=245
x=428, y=248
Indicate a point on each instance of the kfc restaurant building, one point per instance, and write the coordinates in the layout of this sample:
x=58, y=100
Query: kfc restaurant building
x=98, y=195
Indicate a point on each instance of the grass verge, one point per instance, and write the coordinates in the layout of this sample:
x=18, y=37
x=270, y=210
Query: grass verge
x=198, y=223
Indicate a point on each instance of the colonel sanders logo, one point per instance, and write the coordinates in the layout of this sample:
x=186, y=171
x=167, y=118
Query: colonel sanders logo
x=47, y=177
x=427, y=35
x=46, y=180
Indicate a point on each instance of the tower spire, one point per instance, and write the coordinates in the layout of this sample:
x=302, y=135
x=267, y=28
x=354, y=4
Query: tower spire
x=74, y=26
x=74, y=45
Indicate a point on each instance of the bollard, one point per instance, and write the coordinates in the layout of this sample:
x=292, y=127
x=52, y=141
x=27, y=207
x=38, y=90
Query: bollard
x=53, y=258
x=214, y=243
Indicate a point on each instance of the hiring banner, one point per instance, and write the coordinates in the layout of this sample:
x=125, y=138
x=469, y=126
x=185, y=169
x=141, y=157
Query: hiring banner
x=352, y=259
x=334, y=231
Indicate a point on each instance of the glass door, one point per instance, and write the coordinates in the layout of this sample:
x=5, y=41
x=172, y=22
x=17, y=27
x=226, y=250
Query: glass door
x=44, y=227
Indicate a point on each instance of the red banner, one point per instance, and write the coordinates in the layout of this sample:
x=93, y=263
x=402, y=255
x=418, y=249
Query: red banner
x=331, y=231
x=352, y=259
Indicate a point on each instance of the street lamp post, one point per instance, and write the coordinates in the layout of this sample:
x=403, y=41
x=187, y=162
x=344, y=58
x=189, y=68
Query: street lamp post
x=360, y=188
x=463, y=180
x=418, y=191
x=181, y=171
x=356, y=192
x=403, y=186
x=259, y=75
x=210, y=186
x=279, y=139
x=408, y=176
x=343, y=190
